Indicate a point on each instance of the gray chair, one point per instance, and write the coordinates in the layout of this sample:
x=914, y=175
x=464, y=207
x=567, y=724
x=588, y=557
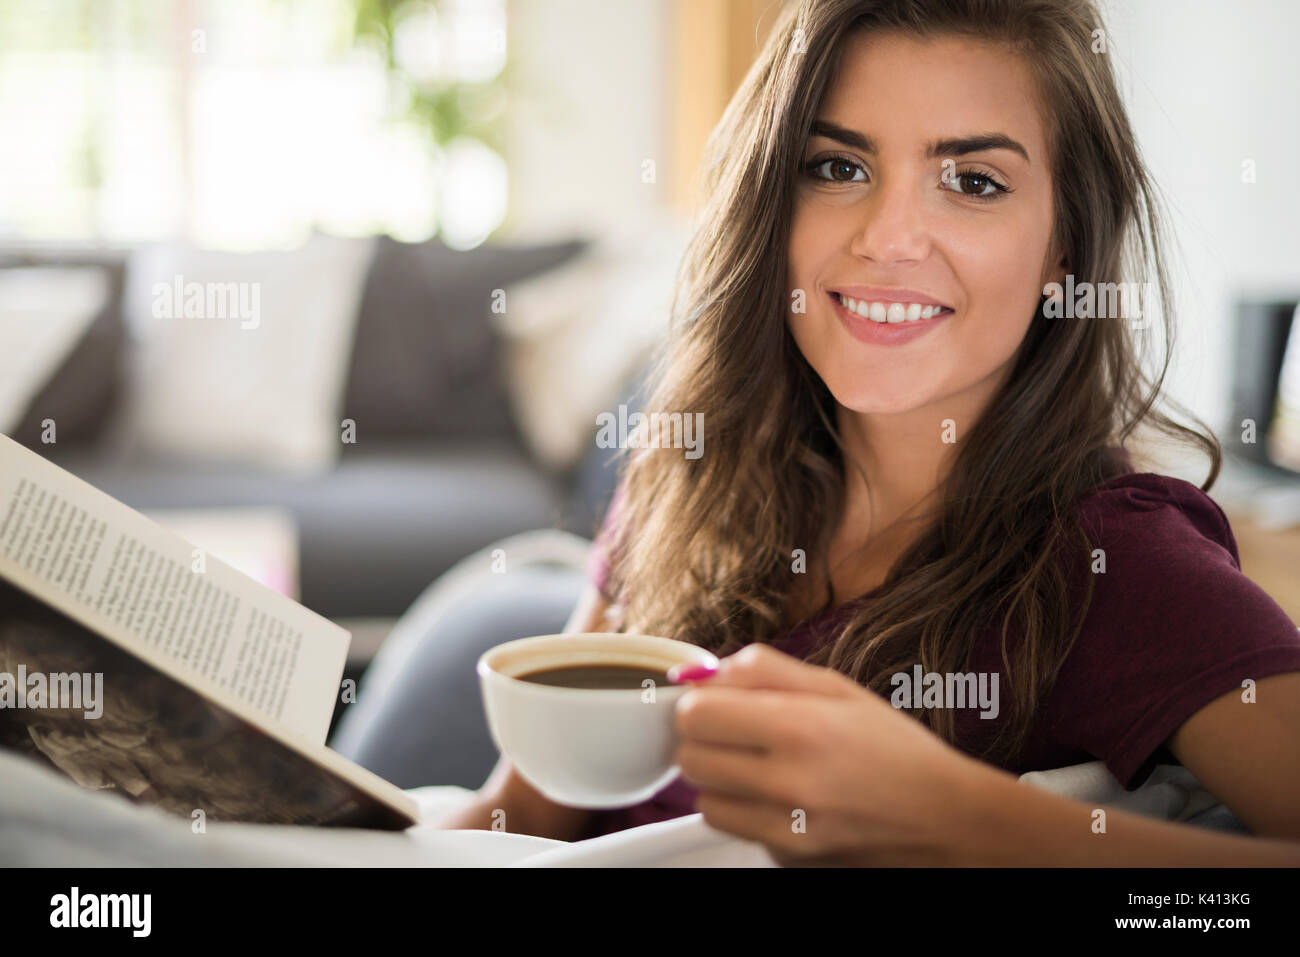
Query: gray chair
x=418, y=718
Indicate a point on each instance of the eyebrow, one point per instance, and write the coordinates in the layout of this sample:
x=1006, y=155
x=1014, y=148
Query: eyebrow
x=948, y=146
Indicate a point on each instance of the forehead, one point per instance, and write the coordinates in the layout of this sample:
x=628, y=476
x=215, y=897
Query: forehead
x=903, y=91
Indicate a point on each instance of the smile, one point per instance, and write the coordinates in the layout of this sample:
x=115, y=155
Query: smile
x=887, y=324
x=889, y=312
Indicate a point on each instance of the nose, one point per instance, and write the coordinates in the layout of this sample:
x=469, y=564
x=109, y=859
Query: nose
x=892, y=231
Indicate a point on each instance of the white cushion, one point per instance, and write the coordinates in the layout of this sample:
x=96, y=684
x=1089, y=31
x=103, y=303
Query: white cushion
x=259, y=385
x=575, y=334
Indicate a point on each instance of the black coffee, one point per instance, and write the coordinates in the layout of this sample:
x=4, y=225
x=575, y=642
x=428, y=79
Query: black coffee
x=598, y=677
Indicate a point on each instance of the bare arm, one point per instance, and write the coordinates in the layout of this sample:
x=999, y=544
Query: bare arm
x=769, y=734
x=526, y=810
x=1246, y=754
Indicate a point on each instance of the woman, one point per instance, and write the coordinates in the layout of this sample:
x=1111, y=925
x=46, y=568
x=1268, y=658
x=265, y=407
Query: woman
x=915, y=457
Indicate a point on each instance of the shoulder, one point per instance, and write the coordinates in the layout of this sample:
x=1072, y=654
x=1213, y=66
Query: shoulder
x=1159, y=519
x=1161, y=554
x=1164, y=510
x=1172, y=622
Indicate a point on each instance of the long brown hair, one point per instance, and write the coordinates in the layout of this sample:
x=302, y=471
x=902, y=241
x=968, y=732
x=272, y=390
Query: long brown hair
x=706, y=543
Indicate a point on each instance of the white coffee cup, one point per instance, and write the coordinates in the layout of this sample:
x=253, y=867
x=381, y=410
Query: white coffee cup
x=586, y=748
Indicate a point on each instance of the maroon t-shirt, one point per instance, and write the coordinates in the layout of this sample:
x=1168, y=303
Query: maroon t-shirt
x=1173, y=625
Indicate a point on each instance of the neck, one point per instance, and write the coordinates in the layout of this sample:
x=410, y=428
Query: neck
x=895, y=463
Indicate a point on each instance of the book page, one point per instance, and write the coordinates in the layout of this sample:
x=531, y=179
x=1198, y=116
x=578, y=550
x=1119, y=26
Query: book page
x=151, y=591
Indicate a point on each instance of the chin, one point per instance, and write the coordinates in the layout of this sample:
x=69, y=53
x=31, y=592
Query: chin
x=878, y=402
x=863, y=391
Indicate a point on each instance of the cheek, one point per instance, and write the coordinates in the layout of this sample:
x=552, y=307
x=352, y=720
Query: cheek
x=1002, y=285
x=813, y=244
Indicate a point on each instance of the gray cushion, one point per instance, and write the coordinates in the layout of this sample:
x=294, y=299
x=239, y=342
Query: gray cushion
x=426, y=359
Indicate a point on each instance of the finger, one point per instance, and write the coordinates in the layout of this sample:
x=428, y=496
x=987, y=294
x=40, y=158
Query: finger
x=761, y=666
x=738, y=773
x=769, y=824
x=739, y=717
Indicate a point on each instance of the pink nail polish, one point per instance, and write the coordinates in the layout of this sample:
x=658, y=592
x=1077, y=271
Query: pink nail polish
x=679, y=673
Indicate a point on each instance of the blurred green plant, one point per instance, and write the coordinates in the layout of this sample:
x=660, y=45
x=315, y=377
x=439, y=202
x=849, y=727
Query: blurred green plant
x=449, y=108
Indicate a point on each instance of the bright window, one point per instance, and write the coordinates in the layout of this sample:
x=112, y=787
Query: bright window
x=247, y=123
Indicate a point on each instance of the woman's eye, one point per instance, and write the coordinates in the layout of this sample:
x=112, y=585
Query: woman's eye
x=837, y=170
x=983, y=186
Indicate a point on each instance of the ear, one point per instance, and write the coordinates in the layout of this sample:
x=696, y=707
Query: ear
x=1056, y=273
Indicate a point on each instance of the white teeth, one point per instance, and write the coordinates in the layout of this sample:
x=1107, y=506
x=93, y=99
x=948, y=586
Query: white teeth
x=891, y=312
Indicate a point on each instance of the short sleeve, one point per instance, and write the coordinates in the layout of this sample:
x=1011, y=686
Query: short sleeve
x=599, y=559
x=1173, y=624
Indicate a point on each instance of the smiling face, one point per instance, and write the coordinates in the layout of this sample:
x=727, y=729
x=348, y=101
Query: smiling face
x=892, y=206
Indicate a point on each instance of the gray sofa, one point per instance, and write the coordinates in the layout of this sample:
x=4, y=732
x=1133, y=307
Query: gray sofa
x=442, y=471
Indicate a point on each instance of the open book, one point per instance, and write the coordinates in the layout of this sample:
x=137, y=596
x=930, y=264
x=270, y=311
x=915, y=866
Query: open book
x=131, y=660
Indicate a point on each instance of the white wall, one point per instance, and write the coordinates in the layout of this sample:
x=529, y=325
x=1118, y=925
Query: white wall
x=1210, y=84
x=591, y=78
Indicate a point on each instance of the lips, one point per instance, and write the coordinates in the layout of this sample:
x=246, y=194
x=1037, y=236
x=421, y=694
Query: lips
x=890, y=311
x=891, y=324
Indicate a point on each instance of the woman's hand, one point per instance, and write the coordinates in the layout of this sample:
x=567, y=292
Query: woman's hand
x=817, y=768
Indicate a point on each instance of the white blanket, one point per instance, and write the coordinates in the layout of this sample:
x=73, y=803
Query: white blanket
x=681, y=842
x=1171, y=793
x=47, y=820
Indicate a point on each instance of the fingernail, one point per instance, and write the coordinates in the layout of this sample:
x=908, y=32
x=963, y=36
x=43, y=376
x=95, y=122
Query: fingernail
x=679, y=673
